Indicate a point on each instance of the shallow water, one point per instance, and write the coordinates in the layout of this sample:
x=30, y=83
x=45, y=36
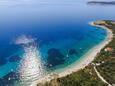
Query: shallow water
x=38, y=37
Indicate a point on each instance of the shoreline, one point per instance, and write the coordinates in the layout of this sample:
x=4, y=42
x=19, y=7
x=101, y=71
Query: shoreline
x=85, y=61
x=90, y=55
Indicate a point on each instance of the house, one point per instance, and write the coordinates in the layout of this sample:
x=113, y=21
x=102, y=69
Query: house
x=108, y=49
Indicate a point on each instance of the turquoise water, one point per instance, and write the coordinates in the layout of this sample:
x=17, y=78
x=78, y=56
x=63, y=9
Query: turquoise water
x=38, y=37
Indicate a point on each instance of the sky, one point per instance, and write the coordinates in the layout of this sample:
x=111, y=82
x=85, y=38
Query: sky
x=14, y=2
x=41, y=8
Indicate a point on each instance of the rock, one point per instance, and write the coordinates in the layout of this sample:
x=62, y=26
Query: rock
x=55, y=57
x=14, y=59
x=2, y=61
x=9, y=79
x=72, y=52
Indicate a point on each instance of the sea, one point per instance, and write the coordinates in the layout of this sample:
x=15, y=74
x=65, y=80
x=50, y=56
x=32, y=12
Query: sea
x=39, y=37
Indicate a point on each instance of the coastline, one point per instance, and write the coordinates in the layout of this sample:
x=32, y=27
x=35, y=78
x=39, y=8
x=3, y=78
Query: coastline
x=86, y=60
x=90, y=55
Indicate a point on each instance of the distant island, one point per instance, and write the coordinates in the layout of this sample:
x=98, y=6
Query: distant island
x=101, y=2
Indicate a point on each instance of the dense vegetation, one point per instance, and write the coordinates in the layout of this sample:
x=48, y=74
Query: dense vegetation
x=84, y=77
x=107, y=69
x=87, y=76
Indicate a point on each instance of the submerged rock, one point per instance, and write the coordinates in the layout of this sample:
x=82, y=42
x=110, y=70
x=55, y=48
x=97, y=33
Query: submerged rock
x=2, y=61
x=9, y=79
x=72, y=52
x=55, y=57
x=14, y=59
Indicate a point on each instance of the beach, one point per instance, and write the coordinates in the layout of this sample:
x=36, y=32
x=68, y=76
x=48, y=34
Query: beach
x=90, y=55
x=82, y=63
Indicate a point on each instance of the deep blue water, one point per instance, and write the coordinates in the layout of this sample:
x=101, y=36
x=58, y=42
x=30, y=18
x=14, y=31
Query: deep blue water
x=60, y=31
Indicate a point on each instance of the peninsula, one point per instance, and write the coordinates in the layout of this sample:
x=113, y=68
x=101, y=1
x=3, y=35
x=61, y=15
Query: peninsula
x=98, y=68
